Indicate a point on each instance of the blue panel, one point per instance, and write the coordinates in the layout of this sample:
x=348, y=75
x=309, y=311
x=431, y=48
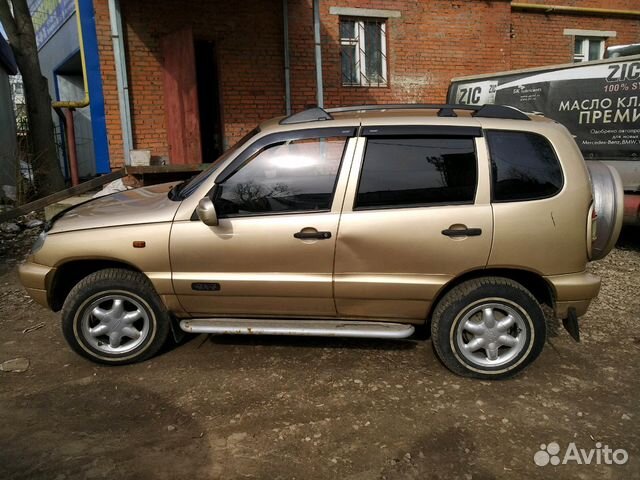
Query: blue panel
x=7, y=60
x=94, y=78
x=48, y=16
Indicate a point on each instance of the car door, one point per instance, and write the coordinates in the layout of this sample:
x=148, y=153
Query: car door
x=272, y=252
x=417, y=213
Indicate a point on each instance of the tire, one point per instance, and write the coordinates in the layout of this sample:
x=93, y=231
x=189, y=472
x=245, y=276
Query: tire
x=462, y=317
x=103, y=312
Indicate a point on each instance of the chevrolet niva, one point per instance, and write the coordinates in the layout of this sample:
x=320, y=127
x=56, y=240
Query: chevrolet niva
x=476, y=222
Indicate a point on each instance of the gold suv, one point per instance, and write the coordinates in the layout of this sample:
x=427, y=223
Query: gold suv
x=476, y=222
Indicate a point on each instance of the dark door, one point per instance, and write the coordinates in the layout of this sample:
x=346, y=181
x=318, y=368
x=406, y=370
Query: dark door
x=208, y=100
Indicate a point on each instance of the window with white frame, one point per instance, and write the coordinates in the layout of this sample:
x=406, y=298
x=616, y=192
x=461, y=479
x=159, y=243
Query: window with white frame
x=18, y=88
x=363, y=48
x=588, y=48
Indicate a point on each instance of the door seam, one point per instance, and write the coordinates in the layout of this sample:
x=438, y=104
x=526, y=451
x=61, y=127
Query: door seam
x=335, y=246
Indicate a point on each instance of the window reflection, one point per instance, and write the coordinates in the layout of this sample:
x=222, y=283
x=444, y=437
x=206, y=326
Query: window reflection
x=287, y=177
x=417, y=171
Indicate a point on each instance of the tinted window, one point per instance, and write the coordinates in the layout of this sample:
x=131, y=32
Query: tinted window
x=523, y=166
x=287, y=177
x=417, y=171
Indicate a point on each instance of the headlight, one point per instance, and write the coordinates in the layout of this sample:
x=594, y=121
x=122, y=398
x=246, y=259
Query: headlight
x=37, y=245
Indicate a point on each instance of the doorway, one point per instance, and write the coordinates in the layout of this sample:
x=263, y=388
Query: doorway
x=208, y=100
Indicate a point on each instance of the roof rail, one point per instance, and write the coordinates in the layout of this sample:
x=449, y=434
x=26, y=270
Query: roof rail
x=501, y=111
x=309, y=115
x=444, y=110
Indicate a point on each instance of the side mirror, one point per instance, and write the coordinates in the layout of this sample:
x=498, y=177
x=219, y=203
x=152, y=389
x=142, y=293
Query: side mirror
x=207, y=212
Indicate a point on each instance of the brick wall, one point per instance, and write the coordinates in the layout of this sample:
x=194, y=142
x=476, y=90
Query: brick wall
x=539, y=39
x=248, y=39
x=430, y=43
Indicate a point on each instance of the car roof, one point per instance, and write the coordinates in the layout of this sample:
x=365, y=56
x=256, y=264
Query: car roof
x=376, y=115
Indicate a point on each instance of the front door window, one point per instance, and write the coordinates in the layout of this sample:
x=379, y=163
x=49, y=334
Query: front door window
x=287, y=177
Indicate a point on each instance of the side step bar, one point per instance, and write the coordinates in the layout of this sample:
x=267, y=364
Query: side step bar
x=315, y=328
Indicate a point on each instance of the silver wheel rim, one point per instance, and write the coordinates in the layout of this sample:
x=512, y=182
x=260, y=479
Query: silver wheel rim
x=491, y=335
x=115, y=324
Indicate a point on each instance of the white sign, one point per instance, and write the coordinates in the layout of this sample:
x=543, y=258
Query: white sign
x=476, y=93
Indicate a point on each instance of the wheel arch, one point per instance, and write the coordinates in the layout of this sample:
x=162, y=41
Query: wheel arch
x=540, y=288
x=70, y=273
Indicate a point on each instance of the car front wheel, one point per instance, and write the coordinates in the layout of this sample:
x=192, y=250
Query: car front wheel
x=114, y=316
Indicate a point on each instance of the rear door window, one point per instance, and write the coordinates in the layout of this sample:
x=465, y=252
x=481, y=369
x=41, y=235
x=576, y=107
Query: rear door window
x=411, y=171
x=524, y=166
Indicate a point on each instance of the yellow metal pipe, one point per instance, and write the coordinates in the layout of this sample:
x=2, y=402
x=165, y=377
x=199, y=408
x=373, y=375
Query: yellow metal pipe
x=86, y=100
x=536, y=7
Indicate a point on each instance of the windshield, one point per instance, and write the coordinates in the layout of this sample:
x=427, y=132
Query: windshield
x=193, y=184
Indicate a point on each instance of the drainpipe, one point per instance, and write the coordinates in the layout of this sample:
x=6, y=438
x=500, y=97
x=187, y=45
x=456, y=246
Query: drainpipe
x=65, y=109
x=121, y=77
x=318, y=52
x=70, y=128
x=543, y=8
x=66, y=118
x=287, y=59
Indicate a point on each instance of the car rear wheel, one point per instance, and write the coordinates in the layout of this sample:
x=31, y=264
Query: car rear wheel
x=114, y=316
x=489, y=328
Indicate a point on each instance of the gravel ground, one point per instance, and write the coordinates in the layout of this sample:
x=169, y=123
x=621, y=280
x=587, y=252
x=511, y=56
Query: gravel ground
x=239, y=407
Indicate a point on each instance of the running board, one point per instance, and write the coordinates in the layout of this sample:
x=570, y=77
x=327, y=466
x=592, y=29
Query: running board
x=314, y=328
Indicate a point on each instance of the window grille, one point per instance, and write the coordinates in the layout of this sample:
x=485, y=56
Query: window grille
x=363, y=48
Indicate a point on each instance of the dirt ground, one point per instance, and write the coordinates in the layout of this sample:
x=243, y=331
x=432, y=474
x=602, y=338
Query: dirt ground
x=238, y=407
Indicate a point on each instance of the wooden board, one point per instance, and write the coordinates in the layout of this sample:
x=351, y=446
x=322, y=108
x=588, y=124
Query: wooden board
x=61, y=195
x=146, y=169
x=181, y=97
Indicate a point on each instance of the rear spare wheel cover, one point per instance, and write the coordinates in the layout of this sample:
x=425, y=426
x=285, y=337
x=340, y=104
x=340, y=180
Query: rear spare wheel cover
x=608, y=199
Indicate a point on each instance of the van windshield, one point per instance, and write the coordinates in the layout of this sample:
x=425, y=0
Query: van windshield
x=183, y=190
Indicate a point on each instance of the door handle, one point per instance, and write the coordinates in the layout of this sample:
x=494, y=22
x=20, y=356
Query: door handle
x=312, y=235
x=464, y=232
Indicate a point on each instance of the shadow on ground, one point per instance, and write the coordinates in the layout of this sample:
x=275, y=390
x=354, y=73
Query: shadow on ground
x=98, y=430
x=312, y=342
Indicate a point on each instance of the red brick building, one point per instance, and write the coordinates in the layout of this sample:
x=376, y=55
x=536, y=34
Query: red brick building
x=195, y=75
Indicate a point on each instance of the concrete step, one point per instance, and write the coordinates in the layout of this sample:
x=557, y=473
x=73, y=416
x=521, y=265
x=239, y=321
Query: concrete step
x=314, y=328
